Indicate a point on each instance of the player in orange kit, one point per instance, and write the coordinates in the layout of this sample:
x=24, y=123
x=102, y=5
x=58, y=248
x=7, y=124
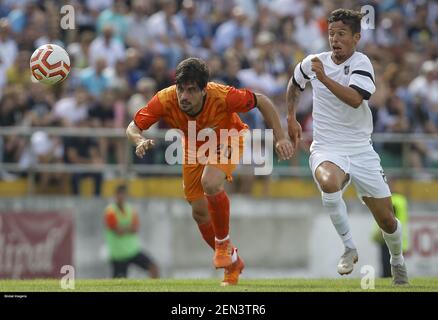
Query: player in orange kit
x=194, y=103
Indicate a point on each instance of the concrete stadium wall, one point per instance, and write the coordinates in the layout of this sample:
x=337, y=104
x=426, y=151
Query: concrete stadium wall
x=277, y=238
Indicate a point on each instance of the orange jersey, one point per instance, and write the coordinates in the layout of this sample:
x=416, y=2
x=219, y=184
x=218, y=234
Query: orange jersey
x=219, y=110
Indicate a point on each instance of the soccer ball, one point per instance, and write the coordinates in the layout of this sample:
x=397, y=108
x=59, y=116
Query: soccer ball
x=50, y=64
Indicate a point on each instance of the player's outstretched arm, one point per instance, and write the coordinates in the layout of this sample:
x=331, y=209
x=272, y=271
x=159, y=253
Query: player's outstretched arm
x=134, y=135
x=283, y=146
x=293, y=126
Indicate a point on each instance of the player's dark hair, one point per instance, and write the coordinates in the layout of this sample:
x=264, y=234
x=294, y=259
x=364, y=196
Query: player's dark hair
x=349, y=17
x=192, y=70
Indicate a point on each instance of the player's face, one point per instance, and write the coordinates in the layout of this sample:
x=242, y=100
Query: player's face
x=342, y=40
x=190, y=97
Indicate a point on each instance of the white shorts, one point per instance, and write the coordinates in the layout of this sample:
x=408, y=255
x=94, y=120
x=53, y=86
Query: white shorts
x=364, y=169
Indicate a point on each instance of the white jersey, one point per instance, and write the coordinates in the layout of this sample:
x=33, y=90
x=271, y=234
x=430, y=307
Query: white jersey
x=338, y=127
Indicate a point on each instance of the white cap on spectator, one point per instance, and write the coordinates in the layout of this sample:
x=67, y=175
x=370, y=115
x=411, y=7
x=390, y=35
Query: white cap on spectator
x=428, y=66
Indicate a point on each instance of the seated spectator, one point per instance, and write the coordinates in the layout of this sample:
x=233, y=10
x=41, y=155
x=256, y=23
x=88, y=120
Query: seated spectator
x=167, y=32
x=106, y=47
x=19, y=72
x=47, y=150
x=116, y=16
x=41, y=101
x=230, y=30
x=72, y=111
x=94, y=80
x=78, y=51
x=160, y=73
x=196, y=30
x=102, y=115
x=83, y=150
x=139, y=35
x=393, y=118
x=232, y=68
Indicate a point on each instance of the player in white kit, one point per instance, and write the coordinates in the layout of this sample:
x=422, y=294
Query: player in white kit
x=343, y=81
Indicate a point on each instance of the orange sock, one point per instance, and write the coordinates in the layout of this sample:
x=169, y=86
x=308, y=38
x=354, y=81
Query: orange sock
x=207, y=232
x=219, y=208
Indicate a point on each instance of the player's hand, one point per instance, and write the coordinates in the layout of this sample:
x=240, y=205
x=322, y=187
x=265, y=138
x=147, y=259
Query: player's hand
x=284, y=149
x=295, y=131
x=318, y=68
x=144, y=145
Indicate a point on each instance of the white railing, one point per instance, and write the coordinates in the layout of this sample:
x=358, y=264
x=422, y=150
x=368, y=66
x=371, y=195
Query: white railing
x=128, y=167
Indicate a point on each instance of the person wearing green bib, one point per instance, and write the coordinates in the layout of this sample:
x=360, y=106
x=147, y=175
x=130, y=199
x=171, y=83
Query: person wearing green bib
x=123, y=241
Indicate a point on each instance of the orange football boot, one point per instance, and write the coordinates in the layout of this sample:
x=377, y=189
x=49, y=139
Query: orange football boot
x=222, y=254
x=232, y=273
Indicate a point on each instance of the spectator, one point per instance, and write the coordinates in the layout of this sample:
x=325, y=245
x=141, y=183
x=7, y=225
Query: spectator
x=19, y=72
x=94, y=80
x=425, y=86
x=145, y=90
x=159, y=72
x=232, y=29
x=196, y=30
x=47, y=150
x=8, y=51
x=259, y=79
x=83, y=150
x=115, y=17
x=306, y=27
x=79, y=50
x=139, y=36
x=121, y=234
x=72, y=111
x=232, y=68
x=167, y=31
x=102, y=115
x=106, y=47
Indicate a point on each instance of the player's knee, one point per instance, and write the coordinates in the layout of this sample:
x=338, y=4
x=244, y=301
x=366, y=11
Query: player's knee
x=327, y=185
x=387, y=223
x=210, y=186
x=331, y=199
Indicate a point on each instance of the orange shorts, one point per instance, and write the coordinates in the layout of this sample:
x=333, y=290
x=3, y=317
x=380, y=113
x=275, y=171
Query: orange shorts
x=192, y=174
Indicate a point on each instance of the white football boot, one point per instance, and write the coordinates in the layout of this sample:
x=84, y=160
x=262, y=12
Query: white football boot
x=347, y=261
x=399, y=275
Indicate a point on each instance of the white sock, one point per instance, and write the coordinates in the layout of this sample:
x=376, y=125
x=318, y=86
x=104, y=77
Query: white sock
x=234, y=255
x=222, y=240
x=394, y=243
x=335, y=206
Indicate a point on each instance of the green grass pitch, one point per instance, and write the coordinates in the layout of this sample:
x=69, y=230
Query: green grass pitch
x=210, y=285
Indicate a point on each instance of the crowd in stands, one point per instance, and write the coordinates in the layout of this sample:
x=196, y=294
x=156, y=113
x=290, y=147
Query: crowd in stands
x=122, y=52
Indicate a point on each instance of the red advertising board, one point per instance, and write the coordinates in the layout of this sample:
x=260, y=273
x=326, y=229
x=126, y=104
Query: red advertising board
x=422, y=256
x=35, y=244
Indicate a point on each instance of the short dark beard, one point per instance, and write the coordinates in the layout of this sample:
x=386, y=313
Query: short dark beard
x=194, y=114
x=340, y=59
